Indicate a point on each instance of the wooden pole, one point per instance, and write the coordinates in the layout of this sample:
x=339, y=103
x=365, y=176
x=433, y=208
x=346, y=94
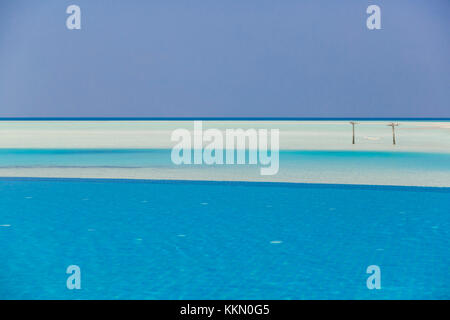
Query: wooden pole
x=393, y=135
x=353, y=131
x=392, y=124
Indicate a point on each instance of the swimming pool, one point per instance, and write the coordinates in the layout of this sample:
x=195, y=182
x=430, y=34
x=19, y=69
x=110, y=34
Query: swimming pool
x=221, y=240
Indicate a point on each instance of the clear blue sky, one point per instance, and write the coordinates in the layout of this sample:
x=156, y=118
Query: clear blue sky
x=225, y=58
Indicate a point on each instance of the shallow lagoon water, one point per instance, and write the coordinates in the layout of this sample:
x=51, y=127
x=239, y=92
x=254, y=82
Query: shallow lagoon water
x=162, y=157
x=349, y=167
x=221, y=240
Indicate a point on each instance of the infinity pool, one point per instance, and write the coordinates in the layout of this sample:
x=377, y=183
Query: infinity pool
x=221, y=240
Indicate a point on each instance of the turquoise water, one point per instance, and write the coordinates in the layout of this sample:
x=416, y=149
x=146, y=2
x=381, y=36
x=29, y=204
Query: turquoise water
x=199, y=240
x=129, y=158
x=333, y=167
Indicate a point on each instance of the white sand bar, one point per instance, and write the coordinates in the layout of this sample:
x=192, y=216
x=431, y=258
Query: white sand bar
x=415, y=136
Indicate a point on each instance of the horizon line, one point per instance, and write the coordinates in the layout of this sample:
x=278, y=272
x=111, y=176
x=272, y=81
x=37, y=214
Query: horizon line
x=221, y=118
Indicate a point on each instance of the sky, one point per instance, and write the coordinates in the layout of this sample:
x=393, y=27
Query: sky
x=234, y=58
